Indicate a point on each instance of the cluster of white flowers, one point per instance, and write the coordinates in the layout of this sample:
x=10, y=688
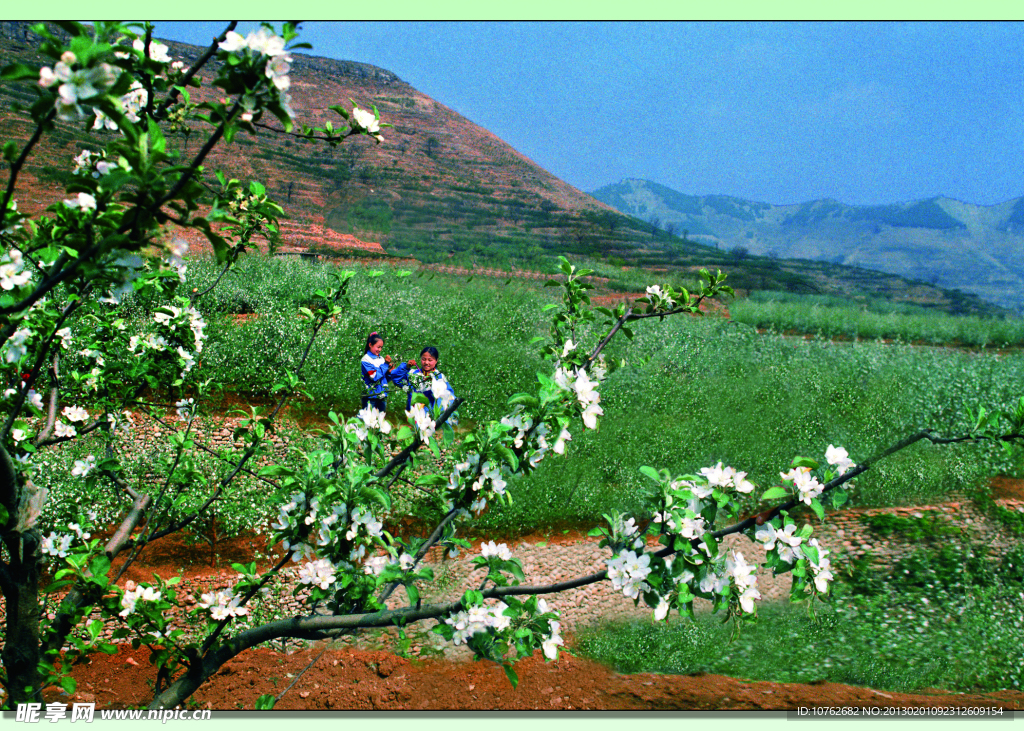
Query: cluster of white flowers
x=260, y=43
x=627, y=572
x=375, y=565
x=744, y=577
x=92, y=163
x=688, y=523
x=56, y=544
x=500, y=550
x=478, y=619
x=727, y=477
x=822, y=568
x=490, y=481
x=76, y=85
x=13, y=273
x=132, y=597
x=157, y=50
x=185, y=409
x=178, y=249
x=422, y=420
x=784, y=541
x=551, y=642
x=520, y=421
x=83, y=535
x=15, y=348
x=659, y=298
x=534, y=438
x=84, y=201
x=84, y=466
x=136, y=99
x=364, y=522
x=840, y=458
x=807, y=486
x=33, y=398
x=222, y=604
x=361, y=119
x=319, y=573
x=584, y=389
x=170, y=319
x=75, y=413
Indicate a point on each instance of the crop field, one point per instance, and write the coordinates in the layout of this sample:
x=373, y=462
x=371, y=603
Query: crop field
x=688, y=392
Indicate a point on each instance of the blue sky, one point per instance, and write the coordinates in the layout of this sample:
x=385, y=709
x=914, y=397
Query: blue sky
x=866, y=113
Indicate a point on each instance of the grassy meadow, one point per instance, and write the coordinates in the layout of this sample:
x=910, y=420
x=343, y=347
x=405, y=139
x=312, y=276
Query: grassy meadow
x=690, y=392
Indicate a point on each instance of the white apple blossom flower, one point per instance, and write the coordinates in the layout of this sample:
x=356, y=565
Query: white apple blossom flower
x=375, y=419
x=15, y=346
x=661, y=298
x=85, y=201
x=491, y=549
x=563, y=437
x=553, y=641
x=568, y=348
x=233, y=42
x=747, y=598
x=364, y=120
x=64, y=430
x=375, y=565
x=157, y=51
x=75, y=413
x=422, y=420
x=840, y=458
x=84, y=466
x=184, y=408
x=320, y=573
x=131, y=598
x=661, y=611
x=590, y=415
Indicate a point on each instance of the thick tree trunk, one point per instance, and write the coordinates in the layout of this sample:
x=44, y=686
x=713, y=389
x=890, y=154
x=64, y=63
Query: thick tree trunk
x=21, y=653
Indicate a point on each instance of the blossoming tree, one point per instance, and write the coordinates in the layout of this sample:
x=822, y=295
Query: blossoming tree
x=68, y=276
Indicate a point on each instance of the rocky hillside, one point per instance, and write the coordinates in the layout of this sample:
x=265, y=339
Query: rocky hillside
x=439, y=188
x=940, y=241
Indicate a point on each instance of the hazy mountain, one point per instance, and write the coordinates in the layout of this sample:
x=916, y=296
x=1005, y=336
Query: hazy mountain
x=941, y=241
x=439, y=187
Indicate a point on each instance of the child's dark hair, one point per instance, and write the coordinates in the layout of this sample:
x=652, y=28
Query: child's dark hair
x=432, y=350
x=372, y=338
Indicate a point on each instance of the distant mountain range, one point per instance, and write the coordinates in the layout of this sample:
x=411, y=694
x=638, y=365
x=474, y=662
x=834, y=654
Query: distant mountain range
x=443, y=189
x=940, y=241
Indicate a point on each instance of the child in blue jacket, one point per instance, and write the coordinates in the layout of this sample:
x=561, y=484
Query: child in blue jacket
x=377, y=372
x=431, y=383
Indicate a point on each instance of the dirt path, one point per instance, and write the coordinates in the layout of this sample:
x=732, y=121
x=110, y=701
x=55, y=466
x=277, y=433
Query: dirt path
x=365, y=677
x=367, y=681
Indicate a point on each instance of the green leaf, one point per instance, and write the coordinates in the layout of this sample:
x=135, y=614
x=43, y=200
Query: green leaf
x=773, y=493
x=413, y=592
x=818, y=509
x=839, y=497
x=511, y=674
x=18, y=72
x=265, y=702
x=68, y=684
x=805, y=462
x=99, y=566
x=651, y=472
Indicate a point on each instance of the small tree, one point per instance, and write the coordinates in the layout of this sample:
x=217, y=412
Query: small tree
x=94, y=276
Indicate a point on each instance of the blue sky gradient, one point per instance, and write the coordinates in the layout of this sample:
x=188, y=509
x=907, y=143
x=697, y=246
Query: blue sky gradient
x=780, y=112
